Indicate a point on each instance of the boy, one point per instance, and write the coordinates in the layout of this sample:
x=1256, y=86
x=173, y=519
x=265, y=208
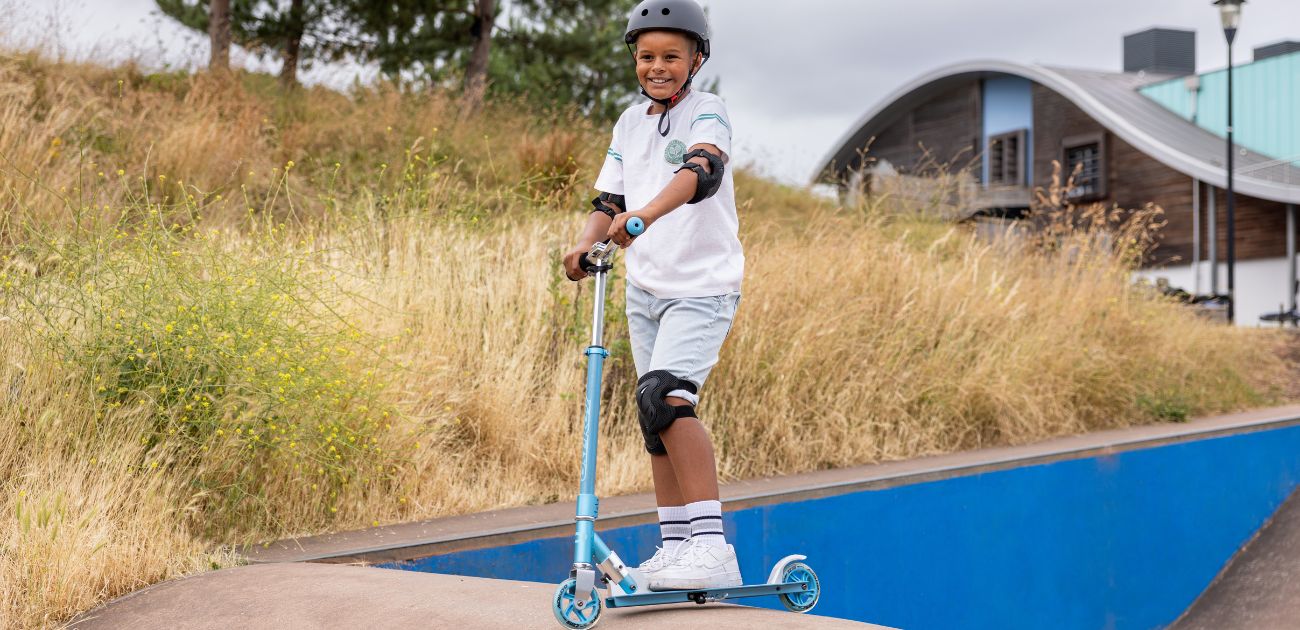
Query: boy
x=667, y=165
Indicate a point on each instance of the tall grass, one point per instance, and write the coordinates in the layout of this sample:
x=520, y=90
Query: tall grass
x=230, y=316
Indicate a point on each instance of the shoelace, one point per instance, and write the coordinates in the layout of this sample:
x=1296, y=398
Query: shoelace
x=691, y=556
x=660, y=558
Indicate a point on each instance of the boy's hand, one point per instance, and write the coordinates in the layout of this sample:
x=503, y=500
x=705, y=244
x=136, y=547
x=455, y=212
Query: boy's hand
x=572, y=261
x=618, y=228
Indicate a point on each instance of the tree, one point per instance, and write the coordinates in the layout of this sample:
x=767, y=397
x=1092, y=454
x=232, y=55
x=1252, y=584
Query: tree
x=433, y=38
x=476, y=73
x=219, y=35
x=297, y=31
x=567, y=52
x=289, y=30
x=559, y=51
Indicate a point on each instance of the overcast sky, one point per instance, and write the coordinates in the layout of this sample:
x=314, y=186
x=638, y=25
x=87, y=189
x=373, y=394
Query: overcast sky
x=795, y=74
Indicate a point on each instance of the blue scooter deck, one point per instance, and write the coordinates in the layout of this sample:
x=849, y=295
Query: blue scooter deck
x=651, y=598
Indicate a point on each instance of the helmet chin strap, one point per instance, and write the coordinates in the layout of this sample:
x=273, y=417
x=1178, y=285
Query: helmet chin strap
x=666, y=123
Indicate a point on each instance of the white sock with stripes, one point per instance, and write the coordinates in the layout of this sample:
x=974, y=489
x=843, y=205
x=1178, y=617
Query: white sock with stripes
x=706, y=522
x=674, y=527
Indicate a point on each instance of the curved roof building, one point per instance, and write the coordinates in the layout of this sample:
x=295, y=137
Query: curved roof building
x=1114, y=100
x=1152, y=134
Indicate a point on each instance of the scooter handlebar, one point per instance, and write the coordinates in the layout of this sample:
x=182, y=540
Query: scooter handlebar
x=603, y=250
x=597, y=257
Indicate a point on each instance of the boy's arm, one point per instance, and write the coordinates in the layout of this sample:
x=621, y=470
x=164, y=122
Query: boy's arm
x=594, y=231
x=675, y=195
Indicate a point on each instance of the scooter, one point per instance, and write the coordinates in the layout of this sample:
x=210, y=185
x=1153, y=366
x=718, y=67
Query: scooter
x=577, y=603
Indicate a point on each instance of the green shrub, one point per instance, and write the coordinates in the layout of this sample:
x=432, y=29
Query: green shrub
x=228, y=360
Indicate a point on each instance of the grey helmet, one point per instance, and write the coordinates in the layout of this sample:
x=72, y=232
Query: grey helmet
x=684, y=16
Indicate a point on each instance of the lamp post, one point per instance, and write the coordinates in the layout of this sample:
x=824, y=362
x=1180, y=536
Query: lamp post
x=1230, y=14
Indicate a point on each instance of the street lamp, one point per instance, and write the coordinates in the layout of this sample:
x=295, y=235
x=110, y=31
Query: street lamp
x=1230, y=13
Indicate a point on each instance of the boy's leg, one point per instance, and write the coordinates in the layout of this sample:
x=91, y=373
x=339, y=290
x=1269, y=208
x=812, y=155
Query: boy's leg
x=690, y=336
x=691, y=459
x=691, y=452
x=643, y=319
x=674, y=520
x=667, y=492
x=643, y=330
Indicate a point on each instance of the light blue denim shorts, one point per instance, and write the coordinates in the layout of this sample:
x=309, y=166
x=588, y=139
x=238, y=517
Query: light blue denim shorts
x=680, y=335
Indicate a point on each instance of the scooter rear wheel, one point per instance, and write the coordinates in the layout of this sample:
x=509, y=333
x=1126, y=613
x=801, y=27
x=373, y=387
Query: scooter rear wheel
x=566, y=608
x=804, y=601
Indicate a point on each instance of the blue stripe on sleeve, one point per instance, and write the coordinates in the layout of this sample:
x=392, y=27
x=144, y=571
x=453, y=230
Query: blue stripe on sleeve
x=712, y=117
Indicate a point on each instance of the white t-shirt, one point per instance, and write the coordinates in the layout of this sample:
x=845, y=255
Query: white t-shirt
x=692, y=251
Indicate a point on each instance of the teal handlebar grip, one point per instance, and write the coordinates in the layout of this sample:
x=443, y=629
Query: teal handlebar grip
x=635, y=226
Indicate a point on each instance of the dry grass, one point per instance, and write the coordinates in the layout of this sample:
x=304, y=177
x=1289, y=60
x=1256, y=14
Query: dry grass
x=218, y=346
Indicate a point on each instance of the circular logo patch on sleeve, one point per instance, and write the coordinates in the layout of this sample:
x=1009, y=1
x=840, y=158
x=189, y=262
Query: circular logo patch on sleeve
x=675, y=152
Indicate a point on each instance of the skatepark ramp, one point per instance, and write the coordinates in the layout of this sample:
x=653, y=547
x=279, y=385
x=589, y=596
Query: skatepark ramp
x=1116, y=529
x=326, y=597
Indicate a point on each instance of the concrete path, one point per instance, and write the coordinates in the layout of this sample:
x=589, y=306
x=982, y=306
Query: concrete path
x=326, y=596
x=1260, y=587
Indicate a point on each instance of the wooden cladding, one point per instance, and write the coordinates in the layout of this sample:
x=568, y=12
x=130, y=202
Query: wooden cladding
x=945, y=132
x=942, y=134
x=1132, y=179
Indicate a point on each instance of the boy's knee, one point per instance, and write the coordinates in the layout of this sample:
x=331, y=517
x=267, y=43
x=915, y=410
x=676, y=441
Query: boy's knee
x=657, y=409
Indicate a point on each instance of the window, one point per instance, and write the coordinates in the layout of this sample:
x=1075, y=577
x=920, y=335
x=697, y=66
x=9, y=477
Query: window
x=1084, y=157
x=1006, y=156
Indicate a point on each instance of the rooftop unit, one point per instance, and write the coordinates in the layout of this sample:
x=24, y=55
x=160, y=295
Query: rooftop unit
x=1161, y=51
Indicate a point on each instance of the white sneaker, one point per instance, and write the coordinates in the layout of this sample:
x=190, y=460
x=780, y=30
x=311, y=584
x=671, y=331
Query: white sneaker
x=699, y=566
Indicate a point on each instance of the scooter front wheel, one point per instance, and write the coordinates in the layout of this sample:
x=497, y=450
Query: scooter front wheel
x=801, y=602
x=565, y=607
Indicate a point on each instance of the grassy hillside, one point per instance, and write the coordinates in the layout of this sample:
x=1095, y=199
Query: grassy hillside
x=229, y=315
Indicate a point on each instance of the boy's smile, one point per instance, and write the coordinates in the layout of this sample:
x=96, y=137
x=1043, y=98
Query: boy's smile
x=663, y=62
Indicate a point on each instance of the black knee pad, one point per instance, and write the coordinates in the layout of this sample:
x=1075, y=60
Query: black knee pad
x=656, y=414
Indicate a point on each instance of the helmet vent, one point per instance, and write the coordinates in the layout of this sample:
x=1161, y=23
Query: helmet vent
x=667, y=11
x=645, y=12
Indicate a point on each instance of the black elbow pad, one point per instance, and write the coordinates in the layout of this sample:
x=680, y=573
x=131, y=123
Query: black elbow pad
x=706, y=183
x=600, y=206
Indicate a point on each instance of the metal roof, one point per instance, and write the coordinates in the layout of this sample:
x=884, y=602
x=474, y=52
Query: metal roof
x=1110, y=98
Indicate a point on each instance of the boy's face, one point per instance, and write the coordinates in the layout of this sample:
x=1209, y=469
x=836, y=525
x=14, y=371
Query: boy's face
x=664, y=62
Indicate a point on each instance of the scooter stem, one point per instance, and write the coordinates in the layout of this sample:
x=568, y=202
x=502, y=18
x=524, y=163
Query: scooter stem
x=598, y=323
x=598, y=262
x=588, y=504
